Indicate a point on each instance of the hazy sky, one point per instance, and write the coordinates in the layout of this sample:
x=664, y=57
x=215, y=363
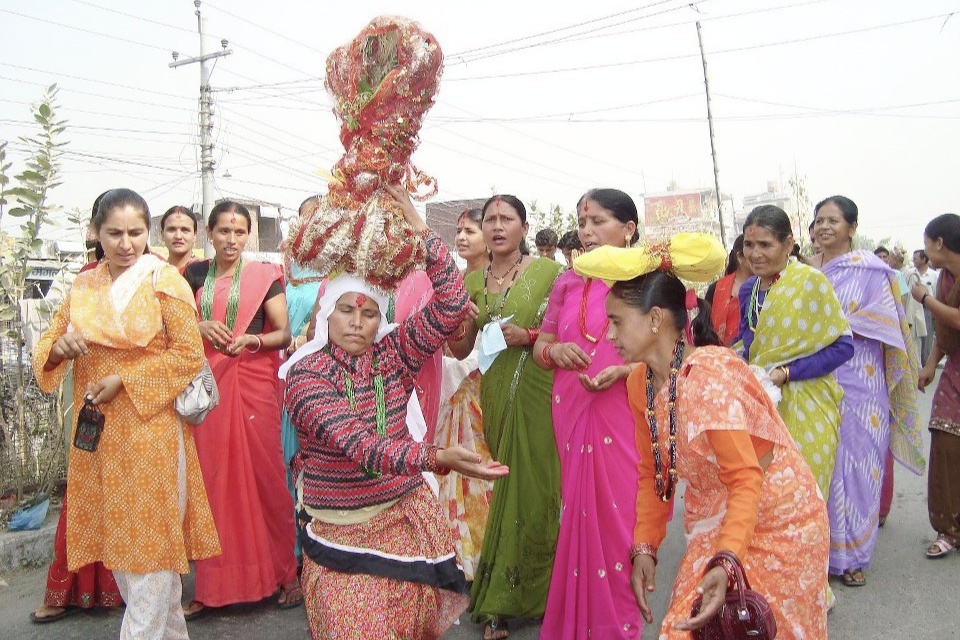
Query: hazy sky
x=540, y=99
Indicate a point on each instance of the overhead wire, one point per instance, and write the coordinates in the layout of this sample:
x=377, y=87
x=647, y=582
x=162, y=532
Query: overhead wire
x=682, y=56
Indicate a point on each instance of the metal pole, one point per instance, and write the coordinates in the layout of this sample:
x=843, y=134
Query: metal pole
x=713, y=145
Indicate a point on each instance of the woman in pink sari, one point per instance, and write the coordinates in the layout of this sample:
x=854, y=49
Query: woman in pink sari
x=243, y=320
x=590, y=587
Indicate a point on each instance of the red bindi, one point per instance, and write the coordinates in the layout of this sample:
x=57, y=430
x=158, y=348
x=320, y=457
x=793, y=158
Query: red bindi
x=361, y=300
x=586, y=206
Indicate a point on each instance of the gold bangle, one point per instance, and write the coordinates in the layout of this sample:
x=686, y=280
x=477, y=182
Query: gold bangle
x=786, y=373
x=643, y=549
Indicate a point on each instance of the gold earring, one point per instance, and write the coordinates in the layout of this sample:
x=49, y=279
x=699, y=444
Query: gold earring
x=654, y=329
x=628, y=240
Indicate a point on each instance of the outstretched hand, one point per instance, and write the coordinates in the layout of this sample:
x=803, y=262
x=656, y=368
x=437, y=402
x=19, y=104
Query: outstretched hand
x=713, y=588
x=470, y=464
x=605, y=379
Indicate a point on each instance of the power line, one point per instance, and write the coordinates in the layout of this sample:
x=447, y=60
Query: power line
x=98, y=95
x=567, y=114
x=559, y=29
x=112, y=84
x=130, y=15
x=276, y=33
x=599, y=31
x=609, y=65
x=90, y=31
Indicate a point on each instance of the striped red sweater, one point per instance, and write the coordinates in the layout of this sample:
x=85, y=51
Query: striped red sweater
x=336, y=442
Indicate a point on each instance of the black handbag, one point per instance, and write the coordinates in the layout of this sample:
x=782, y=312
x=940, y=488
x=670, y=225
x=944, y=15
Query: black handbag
x=89, y=427
x=745, y=614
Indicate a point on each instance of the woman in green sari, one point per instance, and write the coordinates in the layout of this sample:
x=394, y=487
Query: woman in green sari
x=509, y=298
x=792, y=326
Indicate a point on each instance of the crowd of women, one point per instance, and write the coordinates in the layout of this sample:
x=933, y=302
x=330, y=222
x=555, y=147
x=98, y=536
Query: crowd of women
x=507, y=439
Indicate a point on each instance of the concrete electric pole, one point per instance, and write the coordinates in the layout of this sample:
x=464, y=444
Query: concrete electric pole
x=206, y=115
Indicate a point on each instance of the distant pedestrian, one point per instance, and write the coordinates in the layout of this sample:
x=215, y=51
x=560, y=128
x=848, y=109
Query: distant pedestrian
x=546, y=241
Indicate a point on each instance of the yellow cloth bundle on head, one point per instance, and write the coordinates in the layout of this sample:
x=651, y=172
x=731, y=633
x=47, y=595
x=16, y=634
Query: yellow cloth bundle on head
x=695, y=257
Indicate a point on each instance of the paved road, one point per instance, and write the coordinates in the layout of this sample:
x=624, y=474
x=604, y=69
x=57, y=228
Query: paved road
x=907, y=596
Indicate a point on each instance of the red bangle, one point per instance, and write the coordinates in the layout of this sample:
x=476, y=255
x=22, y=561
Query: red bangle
x=430, y=463
x=545, y=356
x=533, y=333
x=459, y=336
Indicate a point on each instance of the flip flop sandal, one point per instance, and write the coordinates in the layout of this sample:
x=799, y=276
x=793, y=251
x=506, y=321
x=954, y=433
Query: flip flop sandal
x=57, y=616
x=941, y=547
x=290, y=598
x=493, y=628
x=196, y=613
x=854, y=578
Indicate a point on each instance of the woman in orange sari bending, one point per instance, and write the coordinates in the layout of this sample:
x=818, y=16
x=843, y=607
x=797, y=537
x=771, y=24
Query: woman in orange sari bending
x=707, y=420
x=137, y=502
x=243, y=321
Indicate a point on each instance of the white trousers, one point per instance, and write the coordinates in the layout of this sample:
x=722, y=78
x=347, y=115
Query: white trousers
x=153, y=606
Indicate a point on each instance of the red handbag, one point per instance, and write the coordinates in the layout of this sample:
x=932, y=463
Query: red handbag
x=745, y=614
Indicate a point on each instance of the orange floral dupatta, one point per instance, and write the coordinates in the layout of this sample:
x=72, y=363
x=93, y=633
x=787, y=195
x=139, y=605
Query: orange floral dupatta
x=117, y=313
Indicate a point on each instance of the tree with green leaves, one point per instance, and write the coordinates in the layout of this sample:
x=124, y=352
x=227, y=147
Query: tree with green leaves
x=23, y=426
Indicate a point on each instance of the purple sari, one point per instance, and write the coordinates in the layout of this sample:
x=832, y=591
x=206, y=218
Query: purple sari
x=878, y=404
x=590, y=593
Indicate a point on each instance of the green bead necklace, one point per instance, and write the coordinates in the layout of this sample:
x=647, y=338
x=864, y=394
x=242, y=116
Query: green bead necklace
x=233, y=299
x=380, y=403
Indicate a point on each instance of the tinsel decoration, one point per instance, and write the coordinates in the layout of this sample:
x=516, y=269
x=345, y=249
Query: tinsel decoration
x=382, y=83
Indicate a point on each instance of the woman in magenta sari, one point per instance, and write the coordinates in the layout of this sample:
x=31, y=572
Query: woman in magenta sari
x=243, y=320
x=590, y=592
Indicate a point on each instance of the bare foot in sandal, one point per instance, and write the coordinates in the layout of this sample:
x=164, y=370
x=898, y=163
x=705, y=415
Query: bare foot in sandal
x=496, y=629
x=941, y=547
x=291, y=595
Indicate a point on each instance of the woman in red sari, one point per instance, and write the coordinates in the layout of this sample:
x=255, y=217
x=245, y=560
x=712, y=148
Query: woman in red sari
x=243, y=321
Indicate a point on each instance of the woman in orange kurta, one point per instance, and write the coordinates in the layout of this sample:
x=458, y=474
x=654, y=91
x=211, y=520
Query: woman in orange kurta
x=749, y=490
x=137, y=503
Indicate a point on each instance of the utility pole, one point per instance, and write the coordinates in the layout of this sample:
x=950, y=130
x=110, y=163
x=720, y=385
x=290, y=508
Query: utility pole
x=713, y=144
x=206, y=115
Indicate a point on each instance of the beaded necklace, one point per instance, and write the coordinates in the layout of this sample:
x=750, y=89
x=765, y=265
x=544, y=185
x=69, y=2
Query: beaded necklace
x=233, y=299
x=495, y=317
x=665, y=493
x=379, y=399
x=755, y=306
x=583, y=319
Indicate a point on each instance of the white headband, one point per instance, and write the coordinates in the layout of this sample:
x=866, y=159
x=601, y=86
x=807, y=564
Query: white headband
x=344, y=283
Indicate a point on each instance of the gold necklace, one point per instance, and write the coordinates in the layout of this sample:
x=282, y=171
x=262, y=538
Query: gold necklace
x=500, y=279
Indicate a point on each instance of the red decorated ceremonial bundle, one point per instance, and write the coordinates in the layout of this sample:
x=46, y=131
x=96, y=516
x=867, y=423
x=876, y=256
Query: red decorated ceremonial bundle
x=382, y=83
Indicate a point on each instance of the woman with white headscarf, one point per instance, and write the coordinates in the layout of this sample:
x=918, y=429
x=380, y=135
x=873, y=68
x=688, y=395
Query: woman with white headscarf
x=378, y=555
